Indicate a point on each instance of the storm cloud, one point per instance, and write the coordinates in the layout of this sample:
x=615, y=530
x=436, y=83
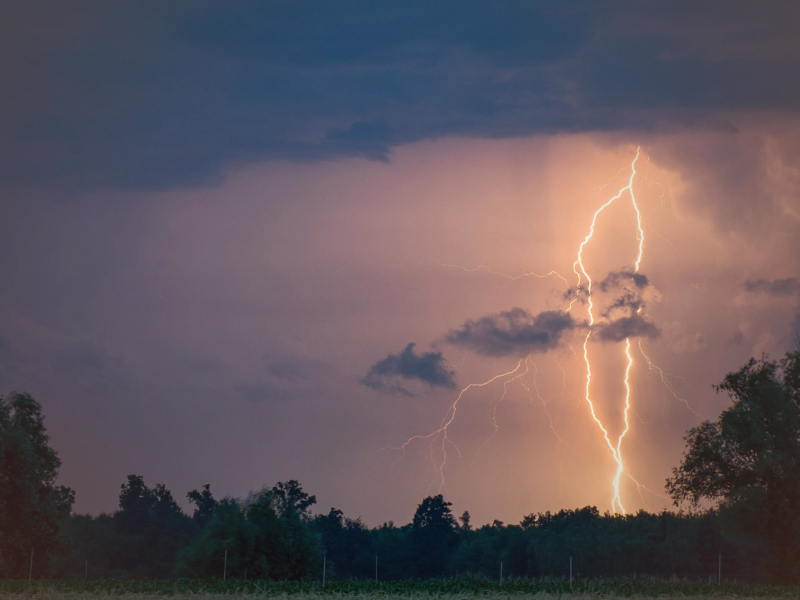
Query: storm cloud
x=626, y=327
x=789, y=286
x=619, y=279
x=428, y=367
x=95, y=91
x=513, y=332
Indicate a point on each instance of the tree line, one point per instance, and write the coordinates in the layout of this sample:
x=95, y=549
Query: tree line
x=738, y=487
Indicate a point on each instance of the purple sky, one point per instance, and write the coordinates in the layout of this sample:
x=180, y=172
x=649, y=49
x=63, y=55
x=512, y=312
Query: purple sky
x=209, y=236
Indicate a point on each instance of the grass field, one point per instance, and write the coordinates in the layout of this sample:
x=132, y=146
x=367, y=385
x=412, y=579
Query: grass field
x=449, y=589
x=51, y=595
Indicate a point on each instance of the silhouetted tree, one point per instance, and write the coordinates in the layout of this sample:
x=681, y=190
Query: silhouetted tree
x=748, y=461
x=32, y=506
x=269, y=535
x=434, y=534
x=290, y=499
x=154, y=527
x=204, y=503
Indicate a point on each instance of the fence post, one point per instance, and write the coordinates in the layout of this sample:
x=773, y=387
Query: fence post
x=324, y=559
x=225, y=566
x=30, y=572
x=570, y=573
x=376, y=568
x=501, y=572
x=86, y=572
x=719, y=572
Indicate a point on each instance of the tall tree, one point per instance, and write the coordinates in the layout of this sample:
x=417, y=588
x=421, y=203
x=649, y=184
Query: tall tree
x=290, y=499
x=153, y=526
x=434, y=535
x=204, y=503
x=748, y=461
x=32, y=506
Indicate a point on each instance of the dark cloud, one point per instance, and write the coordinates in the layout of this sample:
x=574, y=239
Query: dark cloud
x=427, y=367
x=626, y=327
x=789, y=286
x=154, y=95
x=628, y=301
x=513, y=332
x=737, y=338
x=621, y=279
x=629, y=282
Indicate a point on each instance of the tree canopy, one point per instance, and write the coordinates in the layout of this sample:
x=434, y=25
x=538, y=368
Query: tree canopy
x=740, y=478
x=748, y=461
x=32, y=506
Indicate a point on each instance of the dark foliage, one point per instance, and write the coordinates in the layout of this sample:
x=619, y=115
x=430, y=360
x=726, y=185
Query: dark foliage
x=746, y=464
x=32, y=506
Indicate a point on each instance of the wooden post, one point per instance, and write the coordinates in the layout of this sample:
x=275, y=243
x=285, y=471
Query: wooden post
x=570, y=573
x=324, y=559
x=30, y=572
x=501, y=572
x=86, y=571
x=719, y=572
x=376, y=568
x=225, y=566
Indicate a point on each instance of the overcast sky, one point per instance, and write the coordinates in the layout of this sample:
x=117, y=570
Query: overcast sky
x=243, y=242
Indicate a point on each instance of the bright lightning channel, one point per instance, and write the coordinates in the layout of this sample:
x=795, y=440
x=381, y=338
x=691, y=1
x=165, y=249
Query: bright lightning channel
x=441, y=434
x=616, y=450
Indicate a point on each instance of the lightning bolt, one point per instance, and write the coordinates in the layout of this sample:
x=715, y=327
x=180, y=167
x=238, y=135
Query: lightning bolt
x=583, y=292
x=616, y=450
x=442, y=431
x=495, y=425
x=511, y=278
x=667, y=384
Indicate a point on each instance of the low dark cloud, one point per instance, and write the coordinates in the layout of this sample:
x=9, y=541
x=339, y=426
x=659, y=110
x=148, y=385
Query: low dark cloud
x=623, y=279
x=428, y=367
x=631, y=284
x=628, y=301
x=737, y=338
x=626, y=327
x=513, y=332
x=789, y=286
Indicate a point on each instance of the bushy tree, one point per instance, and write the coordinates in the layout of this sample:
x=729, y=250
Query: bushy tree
x=204, y=504
x=434, y=535
x=268, y=535
x=32, y=506
x=748, y=461
x=153, y=526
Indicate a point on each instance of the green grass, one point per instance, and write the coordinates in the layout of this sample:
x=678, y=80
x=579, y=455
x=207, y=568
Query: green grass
x=444, y=587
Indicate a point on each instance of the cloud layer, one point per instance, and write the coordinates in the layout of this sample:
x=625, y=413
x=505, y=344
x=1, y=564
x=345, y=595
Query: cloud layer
x=89, y=105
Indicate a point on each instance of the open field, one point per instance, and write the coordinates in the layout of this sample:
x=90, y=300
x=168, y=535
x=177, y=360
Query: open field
x=450, y=589
x=54, y=595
